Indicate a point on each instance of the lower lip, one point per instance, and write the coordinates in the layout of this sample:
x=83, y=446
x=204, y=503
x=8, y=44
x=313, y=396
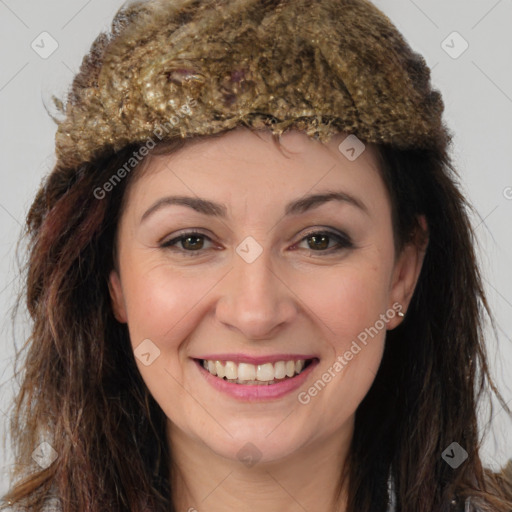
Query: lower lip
x=257, y=392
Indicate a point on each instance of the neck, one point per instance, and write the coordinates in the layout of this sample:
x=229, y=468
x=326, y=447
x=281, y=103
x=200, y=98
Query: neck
x=308, y=479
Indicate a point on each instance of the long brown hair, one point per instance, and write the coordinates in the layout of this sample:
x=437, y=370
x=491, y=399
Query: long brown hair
x=81, y=391
x=81, y=385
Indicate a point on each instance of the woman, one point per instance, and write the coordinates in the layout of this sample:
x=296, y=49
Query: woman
x=252, y=276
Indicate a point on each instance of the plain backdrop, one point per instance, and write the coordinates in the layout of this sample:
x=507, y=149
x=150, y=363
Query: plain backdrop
x=466, y=43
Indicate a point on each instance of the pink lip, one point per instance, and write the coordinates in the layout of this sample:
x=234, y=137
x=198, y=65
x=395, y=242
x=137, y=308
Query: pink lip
x=257, y=393
x=242, y=358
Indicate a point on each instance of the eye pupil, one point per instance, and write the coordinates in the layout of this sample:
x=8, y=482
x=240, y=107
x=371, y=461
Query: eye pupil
x=325, y=243
x=194, y=246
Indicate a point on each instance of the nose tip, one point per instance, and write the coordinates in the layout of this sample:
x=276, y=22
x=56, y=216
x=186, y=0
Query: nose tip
x=255, y=301
x=258, y=320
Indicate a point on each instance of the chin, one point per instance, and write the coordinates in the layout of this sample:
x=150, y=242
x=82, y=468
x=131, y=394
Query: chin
x=265, y=443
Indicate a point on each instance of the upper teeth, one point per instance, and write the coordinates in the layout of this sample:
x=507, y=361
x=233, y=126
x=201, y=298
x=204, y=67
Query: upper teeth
x=262, y=372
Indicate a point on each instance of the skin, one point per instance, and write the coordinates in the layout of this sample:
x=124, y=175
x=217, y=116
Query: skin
x=299, y=300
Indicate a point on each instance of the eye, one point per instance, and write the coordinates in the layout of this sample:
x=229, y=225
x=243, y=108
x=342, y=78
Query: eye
x=320, y=241
x=191, y=242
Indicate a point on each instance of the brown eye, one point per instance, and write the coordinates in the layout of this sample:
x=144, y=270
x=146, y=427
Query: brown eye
x=319, y=241
x=190, y=242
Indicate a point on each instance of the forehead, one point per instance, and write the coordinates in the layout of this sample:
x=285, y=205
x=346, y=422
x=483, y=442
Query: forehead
x=249, y=166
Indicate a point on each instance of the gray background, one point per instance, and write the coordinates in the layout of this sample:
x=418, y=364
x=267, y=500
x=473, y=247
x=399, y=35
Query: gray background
x=476, y=87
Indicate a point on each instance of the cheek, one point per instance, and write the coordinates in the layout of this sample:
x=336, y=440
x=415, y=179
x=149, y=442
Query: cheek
x=162, y=307
x=160, y=301
x=347, y=299
x=350, y=306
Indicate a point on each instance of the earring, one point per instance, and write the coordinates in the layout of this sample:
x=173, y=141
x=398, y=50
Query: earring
x=400, y=313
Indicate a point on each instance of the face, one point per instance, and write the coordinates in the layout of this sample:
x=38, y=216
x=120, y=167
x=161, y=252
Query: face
x=258, y=274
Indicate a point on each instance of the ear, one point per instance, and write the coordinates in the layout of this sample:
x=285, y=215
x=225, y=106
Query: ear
x=407, y=271
x=117, y=297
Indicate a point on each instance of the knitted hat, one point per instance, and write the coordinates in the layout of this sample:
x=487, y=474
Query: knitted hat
x=178, y=68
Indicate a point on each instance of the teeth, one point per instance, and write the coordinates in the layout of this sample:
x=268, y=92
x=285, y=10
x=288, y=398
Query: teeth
x=220, y=369
x=265, y=372
x=280, y=370
x=231, y=370
x=211, y=367
x=290, y=368
x=245, y=373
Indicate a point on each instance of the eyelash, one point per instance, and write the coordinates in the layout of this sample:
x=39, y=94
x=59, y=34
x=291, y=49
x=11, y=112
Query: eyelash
x=344, y=242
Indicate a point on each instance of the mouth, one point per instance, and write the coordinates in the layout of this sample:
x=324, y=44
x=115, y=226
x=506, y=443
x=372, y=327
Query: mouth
x=265, y=374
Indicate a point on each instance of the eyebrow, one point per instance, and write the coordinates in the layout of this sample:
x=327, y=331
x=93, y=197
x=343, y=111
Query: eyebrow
x=296, y=207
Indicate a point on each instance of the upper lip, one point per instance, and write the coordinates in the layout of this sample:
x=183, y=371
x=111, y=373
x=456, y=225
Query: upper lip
x=244, y=358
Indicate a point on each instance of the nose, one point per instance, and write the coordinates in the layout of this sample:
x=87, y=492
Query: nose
x=256, y=299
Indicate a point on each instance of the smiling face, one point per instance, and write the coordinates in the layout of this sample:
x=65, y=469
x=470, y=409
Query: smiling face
x=252, y=268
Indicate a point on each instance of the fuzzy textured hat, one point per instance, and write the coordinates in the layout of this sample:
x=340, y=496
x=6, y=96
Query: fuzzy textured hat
x=178, y=68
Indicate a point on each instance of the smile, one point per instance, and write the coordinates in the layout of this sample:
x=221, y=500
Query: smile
x=256, y=382
x=253, y=375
